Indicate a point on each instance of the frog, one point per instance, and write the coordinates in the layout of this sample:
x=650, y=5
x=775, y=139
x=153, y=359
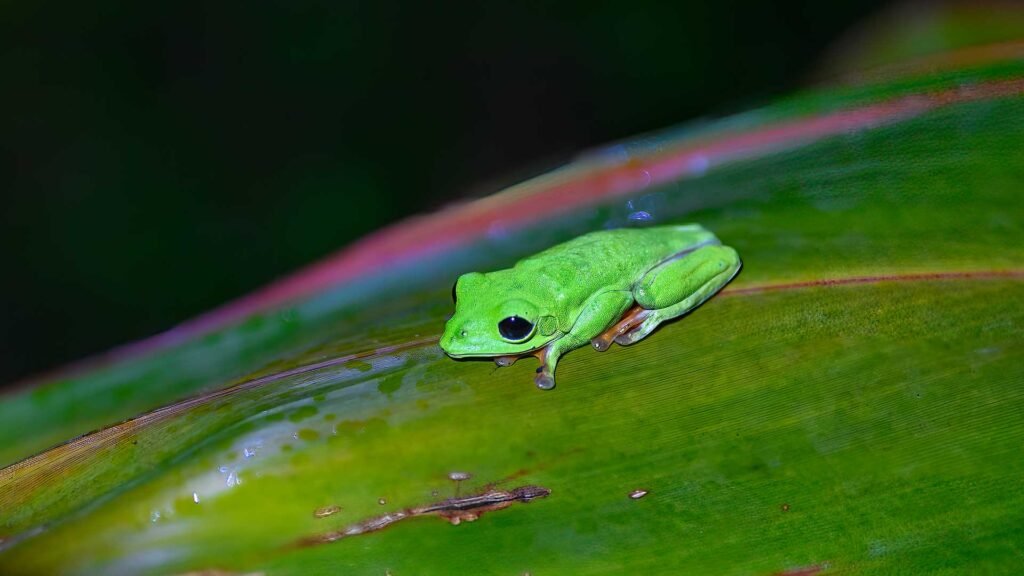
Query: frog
x=602, y=287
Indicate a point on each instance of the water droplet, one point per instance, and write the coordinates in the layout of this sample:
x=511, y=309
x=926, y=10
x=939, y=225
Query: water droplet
x=381, y=501
x=154, y=516
x=637, y=494
x=195, y=497
x=640, y=216
x=248, y=452
x=459, y=476
x=325, y=511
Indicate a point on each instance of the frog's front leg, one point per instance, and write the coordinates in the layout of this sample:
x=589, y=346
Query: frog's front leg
x=600, y=312
x=679, y=285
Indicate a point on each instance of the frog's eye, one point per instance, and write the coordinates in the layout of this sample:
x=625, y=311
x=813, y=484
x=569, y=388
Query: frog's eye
x=515, y=328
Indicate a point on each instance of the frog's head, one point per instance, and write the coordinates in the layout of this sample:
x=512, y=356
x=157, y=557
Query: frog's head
x=495, y=317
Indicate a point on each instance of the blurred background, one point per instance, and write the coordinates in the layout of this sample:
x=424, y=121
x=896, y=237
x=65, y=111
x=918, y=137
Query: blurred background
x=160, y=158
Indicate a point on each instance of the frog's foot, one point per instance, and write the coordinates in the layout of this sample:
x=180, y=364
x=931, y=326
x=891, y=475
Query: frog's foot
x=505, y=361
x=633, y=318
x=648, y=323
x=639, y=332
x=545, y=378
x=602, y=341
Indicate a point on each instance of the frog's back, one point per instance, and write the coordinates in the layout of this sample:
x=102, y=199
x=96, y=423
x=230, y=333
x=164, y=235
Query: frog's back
x=614, y=258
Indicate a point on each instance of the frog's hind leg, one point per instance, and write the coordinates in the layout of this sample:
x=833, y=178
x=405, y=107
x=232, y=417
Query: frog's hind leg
x=678, y=285
x=633, y=318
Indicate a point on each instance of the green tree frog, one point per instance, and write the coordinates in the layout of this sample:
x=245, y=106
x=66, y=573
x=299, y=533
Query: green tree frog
x=605, y=286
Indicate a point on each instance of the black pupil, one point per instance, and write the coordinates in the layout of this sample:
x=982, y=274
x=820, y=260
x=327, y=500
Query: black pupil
x=514, y=328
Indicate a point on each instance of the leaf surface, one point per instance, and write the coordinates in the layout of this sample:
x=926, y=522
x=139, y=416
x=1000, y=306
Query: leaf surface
x=851, y=402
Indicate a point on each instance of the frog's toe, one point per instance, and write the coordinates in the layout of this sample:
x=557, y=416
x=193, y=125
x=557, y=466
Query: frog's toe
x=635, y=335
x=638, y=333
x=602, y=342
x=544, y=381
x=626, y=339
x=618, y=332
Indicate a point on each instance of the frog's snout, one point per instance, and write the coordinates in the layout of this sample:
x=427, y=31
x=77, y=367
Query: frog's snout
x=451, y=339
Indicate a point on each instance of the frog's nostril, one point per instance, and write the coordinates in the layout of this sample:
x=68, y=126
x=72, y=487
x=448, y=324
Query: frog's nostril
x=463, y=333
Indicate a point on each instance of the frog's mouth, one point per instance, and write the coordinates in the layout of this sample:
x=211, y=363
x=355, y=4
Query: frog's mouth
x=469, y=355
x=454, y=350
x=505, y=360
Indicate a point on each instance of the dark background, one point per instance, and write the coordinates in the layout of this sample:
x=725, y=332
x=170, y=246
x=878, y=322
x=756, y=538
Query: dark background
x=160, y=158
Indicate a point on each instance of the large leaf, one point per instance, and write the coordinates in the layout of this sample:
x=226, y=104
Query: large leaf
x=852, y=401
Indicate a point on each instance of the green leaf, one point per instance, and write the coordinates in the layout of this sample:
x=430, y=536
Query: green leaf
x=851, y=402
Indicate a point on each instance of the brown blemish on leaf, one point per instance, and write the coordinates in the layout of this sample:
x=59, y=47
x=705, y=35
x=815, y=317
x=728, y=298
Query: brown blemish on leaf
x=454, y=510
x=326, y=511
